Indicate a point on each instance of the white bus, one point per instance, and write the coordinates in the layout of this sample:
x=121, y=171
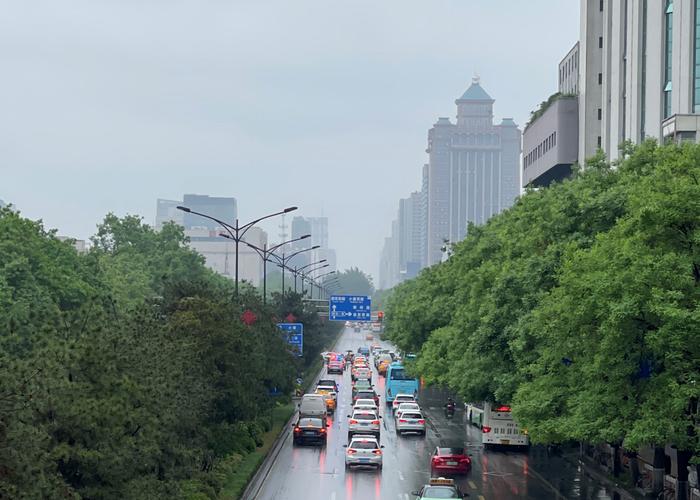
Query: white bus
x=497, y=425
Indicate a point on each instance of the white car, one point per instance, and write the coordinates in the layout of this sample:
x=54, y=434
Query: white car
x=402, y=398
x=364, y=422
x=411, y=421
x=406, y=407
x=366, y=404
x=364, y=450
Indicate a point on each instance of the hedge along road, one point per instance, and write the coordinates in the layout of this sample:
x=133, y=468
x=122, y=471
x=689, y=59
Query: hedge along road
x=319, y=473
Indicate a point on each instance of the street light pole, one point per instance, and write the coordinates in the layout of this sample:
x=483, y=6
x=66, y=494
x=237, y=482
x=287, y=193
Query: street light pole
x=286, y=258
x=236, y=232
x=265, y=254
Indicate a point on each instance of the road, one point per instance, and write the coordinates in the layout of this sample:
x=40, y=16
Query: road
x=311, y=473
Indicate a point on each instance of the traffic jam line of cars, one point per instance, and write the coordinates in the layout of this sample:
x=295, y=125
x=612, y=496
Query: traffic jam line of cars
x=364, y=448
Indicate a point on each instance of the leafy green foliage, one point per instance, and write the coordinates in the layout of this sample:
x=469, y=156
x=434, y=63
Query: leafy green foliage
x=579, y=305
x=126, y=372
x=353, y=281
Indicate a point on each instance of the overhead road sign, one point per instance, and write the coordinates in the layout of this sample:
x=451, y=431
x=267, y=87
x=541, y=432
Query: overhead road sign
x=295, y=336
x=350, y=308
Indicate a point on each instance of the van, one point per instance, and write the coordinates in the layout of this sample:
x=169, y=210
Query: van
x=313, y=405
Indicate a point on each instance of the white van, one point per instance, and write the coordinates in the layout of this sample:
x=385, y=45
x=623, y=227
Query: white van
x=313, y=405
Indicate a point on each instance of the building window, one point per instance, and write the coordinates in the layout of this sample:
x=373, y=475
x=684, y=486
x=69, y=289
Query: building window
x=600, y=114
x=600, y=42
x=601, y=5
x=696, y=76
x=668, y=54
x=600, y=78
x=600, y=142
x=555, y=138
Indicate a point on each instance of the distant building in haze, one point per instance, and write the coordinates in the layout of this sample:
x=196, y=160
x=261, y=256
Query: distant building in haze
x=166, y=211
x=473, y=169
x=317, y=227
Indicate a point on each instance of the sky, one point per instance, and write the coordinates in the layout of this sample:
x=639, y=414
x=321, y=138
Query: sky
x=107, y=105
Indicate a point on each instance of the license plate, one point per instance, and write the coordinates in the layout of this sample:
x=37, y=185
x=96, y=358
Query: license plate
x=363, y=423
x=451, y=463
x=412, y=421
x=364, y=460
x=309, y=433
x=505, y=441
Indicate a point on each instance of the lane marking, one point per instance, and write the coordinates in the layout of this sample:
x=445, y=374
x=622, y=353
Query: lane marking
x=481, y=497
x=472, y=485
x=401, y=476
x=333, y=496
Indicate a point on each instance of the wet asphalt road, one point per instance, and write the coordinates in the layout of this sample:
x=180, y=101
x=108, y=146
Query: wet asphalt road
x=310, y=473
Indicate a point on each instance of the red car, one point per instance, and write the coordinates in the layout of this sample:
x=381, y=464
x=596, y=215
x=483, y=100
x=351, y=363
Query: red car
x=450, y=460
x=335, y=367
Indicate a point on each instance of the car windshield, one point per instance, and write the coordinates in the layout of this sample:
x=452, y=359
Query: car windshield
x=365, y=395
x=399, y=374
x=408, y=406
x=364, y=416
x=365, y=445
x=404, y=398
x=440, y=492
x=310, y=422
x=450, y=451
x=411, y=415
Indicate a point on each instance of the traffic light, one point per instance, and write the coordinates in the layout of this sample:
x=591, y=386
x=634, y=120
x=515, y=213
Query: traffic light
x=380, y=316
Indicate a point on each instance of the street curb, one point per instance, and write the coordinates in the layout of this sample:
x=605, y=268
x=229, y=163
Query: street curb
x=252, y=490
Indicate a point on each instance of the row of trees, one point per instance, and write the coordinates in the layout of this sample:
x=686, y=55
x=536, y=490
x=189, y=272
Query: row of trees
x=579, y=305
x=130, y=371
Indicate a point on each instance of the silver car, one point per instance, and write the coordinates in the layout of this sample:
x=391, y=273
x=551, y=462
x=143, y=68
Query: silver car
x=406, y=407
x=364, y=422
x=411, y=421
x=364, y=450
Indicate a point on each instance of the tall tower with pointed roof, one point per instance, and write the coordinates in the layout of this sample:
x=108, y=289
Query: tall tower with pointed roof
x=473, y=169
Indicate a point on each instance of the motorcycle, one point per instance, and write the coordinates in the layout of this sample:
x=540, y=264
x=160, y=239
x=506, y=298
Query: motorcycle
x=450, y=410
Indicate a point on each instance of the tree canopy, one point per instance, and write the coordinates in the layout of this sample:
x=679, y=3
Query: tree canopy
x=579, y=305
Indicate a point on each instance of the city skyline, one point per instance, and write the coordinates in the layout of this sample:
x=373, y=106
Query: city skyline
x=192, y=103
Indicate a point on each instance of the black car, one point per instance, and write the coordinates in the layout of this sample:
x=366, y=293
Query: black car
x=310, y=430
x=364, y=394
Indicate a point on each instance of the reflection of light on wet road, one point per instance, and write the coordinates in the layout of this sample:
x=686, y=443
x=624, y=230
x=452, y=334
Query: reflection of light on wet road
x=348, y=485
x=377, y=488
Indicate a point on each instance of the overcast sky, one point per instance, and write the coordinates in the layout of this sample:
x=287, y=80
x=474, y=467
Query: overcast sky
x=109, y=105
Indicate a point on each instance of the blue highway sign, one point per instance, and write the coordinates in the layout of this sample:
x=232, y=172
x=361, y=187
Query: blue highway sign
x=295, y=336
x=350, y=308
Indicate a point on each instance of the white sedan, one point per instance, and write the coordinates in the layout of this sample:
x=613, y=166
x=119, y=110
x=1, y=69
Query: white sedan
x=405, y=407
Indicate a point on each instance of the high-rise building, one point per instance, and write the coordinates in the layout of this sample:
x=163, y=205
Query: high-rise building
x=424, y=216
x=166, y=211
x=317, y=227
x=639, y=73
x=474, y=169
x=224, y=209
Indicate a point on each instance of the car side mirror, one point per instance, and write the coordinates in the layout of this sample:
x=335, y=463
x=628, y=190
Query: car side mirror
x=345, y=446
x=416, y=493
x=349, y=416
x=380, y=416
x=382, y=446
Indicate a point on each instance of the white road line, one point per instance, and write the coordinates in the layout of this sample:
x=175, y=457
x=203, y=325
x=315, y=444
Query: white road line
x=401, y=476
x=472, y=485
x=333, y=496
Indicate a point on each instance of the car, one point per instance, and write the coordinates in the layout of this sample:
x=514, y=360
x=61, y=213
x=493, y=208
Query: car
x=439, y=487
x=364, y=350
x=410, y=421
x=361, y=373
x=364, y=422
x=361, y=384
x=365, y=394
x=310, y=429
x=363, y=450
x=380, y=357
x=383, y=368
x=450, y=460
x=374, y=348
x=405, y=407
x=329, y=396
x=369, y=336
x=313, y=405
x=358, y=329
x=366, y=404
x=336, y=367
x=329, y=382
x=402, y=398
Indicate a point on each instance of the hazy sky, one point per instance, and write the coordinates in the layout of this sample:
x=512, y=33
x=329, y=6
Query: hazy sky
x=108, y=105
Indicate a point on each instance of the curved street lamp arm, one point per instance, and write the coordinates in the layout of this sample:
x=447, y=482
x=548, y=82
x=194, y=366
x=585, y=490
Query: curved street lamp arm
x=226, y=226
x=245, y=227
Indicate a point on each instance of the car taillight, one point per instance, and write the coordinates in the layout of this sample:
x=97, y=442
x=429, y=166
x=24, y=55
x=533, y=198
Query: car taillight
x=402, y=421
x=421, y=421
x=352, y=421
x=377, y=452
x=486, y=429
x=465, y=460
x=351, y=451
x=322, y=431
x=375, y=422
x=297, y=429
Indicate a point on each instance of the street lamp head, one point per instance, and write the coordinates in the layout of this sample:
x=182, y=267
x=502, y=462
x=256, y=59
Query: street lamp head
x=290, y=209
x=323, y=260
x=184, y=209
x=315, y=247
x=225, y=235
x=305, y=236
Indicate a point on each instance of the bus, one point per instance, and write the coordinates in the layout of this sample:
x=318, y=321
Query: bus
x=498, y=427
x=399, y=382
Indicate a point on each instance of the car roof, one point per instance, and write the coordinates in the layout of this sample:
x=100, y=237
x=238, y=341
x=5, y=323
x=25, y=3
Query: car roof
x=365, y=401
x=364, y=437
x=364, y=412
